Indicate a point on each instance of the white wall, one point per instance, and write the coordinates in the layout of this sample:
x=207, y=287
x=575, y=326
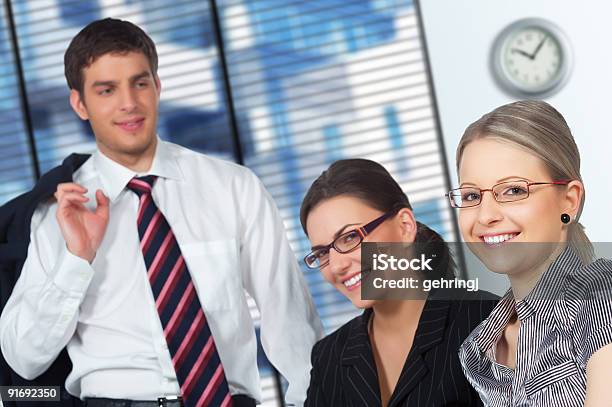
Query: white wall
x=459, y=37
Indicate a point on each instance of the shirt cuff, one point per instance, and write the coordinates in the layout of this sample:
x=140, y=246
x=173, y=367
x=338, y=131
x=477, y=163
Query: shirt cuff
x=72, y=273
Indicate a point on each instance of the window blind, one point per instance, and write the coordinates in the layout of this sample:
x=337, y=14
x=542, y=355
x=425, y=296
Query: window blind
x=317, y=81
x=310, y=82
x=16, y=166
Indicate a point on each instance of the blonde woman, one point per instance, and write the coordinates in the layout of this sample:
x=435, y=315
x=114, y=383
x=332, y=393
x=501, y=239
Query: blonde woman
x=548, y=341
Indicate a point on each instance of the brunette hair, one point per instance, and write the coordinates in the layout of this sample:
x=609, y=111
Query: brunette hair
x=101, y=37
x=371, y=183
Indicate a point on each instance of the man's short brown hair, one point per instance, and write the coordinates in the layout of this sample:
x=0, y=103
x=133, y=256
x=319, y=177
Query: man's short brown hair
x=101, y=37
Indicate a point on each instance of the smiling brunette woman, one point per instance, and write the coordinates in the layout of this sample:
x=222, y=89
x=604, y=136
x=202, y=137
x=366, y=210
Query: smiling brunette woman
x=398, y=352
x=548, y=341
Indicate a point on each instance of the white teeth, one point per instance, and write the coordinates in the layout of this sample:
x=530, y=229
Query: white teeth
x=353, y=280
x=131, y=124
x=498, y=239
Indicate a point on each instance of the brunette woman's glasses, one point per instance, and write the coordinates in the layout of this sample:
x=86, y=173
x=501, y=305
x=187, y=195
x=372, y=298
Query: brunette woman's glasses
x=346, y=242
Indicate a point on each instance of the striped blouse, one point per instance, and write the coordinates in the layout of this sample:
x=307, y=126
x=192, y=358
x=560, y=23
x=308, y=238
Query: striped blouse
x=564, y=320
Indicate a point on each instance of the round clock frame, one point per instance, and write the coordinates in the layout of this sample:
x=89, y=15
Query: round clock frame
x=504, y=77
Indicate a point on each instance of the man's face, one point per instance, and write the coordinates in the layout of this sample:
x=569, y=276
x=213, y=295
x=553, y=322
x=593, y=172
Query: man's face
x=120, y=99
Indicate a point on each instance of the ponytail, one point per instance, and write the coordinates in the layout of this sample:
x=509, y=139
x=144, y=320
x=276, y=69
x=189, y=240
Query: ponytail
x=578, y=240
x=435, y=244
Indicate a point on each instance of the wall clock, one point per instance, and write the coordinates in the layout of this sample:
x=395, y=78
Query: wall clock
x=532, y=58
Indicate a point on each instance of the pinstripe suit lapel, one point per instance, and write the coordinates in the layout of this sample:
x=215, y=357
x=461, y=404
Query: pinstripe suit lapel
x=359, y=377
x=429, y=334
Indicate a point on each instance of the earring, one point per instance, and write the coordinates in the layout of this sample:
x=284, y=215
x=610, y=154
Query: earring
x=565, y=218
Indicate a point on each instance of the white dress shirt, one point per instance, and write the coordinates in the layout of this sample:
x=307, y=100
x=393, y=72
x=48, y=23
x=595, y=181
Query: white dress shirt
x=232, y=239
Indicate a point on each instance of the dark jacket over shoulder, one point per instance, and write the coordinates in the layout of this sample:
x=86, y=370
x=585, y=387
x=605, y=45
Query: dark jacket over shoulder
x=344, y=372
x=15, y=220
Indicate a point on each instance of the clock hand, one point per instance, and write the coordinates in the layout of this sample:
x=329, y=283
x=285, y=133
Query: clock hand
x=520, y=51
x=538, y=48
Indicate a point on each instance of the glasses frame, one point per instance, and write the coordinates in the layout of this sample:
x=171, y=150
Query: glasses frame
x=449, y=194
x=362, y=232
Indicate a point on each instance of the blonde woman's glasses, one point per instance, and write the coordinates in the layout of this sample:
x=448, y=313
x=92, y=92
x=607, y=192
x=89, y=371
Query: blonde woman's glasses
x=511, y=191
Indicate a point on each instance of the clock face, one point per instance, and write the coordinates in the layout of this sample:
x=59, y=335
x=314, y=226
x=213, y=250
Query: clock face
x=531, y=58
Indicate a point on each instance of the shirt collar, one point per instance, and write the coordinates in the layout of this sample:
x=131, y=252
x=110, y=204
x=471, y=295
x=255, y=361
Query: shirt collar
x=495, y=323
x=551, y=284
x=115, y=177
x=541, y=297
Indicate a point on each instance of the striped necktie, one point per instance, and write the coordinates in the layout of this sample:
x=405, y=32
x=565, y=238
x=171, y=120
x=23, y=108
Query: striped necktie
x=190, y=342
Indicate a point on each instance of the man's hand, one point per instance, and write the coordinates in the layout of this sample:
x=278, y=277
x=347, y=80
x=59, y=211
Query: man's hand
x=82, y=229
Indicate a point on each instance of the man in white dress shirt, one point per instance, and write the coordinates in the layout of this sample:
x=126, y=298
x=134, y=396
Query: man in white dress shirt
x=84, y=284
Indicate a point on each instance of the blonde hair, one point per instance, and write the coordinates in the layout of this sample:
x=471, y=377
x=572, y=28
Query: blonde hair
x=540, y=129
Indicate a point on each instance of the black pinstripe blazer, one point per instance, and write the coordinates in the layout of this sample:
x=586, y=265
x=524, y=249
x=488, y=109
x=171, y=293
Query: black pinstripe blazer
x=344, y=373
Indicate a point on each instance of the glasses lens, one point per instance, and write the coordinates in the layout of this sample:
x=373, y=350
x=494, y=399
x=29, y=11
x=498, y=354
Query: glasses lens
x=317, y=258
x=464, y=197
x=348, y=241
x=511, y=191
